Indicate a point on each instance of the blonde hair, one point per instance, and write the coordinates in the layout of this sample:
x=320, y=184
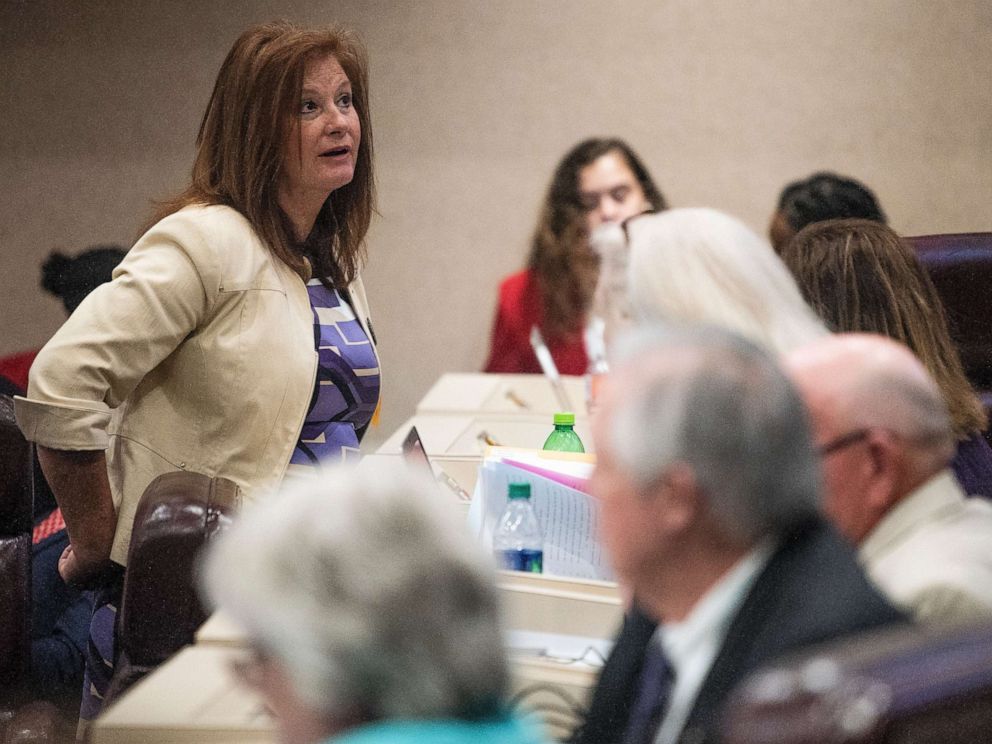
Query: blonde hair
x=704, y=266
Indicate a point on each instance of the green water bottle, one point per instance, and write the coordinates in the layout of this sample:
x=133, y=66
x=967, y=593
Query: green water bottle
x=564, y=438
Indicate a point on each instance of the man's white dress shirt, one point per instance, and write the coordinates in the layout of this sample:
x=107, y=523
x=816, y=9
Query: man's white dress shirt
x=692, y=645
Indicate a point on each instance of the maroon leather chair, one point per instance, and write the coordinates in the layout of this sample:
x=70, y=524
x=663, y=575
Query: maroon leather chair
x=160, y=610
x=16, y=502
x=37, y=722
x=898, y=686
x=961, y=268
x=22, y=720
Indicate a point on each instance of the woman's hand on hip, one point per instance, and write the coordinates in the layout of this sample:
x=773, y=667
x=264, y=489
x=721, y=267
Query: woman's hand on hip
x=82, y=490
x=80, y=568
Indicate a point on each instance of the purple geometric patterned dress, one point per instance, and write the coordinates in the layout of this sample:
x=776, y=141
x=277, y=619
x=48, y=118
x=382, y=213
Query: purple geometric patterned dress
x=346, y=390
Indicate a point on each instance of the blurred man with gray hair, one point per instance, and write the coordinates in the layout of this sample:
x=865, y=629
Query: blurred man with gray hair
x=709, y=491
x=885, y=441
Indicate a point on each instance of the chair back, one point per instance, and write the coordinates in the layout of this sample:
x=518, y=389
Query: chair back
x=961, y=268
x=960, y=265
x=16, y=503
x=905, y=685
x=160, y=609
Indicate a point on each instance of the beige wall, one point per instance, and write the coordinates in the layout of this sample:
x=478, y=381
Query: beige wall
x=474, y=102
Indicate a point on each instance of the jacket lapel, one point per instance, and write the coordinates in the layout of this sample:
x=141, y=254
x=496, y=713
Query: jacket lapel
x=748, y=642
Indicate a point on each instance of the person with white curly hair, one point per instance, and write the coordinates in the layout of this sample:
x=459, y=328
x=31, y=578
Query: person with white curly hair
x=371, y=613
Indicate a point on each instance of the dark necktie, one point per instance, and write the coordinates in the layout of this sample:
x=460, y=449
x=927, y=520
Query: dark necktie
x=653, y=690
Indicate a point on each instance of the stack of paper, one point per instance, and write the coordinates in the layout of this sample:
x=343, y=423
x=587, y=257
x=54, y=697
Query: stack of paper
x=567, y=514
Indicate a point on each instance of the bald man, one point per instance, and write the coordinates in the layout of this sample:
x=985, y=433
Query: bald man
x=885, y=440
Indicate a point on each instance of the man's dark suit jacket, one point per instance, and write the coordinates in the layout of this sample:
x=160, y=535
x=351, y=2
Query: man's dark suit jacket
x=812, y=590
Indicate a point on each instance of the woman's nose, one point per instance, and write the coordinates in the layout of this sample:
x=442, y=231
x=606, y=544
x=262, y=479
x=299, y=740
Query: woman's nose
x=609, y=209
x=334, y=121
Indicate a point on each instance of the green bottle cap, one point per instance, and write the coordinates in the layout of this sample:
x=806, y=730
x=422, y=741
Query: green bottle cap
x=520, y=490
x=564, y=419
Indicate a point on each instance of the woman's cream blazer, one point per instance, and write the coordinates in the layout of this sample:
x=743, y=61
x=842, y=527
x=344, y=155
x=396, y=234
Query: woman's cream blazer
x=198, y=356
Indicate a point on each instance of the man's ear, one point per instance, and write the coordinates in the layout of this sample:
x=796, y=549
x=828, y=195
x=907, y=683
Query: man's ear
x=676, y=498
x=887, y=462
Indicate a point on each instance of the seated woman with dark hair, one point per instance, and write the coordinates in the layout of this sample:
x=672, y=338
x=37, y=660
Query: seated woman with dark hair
x=372, y=614
x=822, y=196
x=598, y=181
x=859, y=275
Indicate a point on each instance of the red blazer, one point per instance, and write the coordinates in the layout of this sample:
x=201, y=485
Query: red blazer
x=519, y=309
x=15, y=367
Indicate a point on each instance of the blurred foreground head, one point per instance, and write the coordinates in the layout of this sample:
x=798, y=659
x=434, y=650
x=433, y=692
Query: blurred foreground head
x=365, y=599
x=702, y=451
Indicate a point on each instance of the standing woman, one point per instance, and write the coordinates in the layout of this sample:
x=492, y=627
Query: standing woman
x=598, y=181
x=234, y=339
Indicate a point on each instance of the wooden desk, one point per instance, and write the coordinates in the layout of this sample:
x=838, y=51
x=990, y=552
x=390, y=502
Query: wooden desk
x=547, y=604
x=190, y=699
x=460, y=392
x=194, y=697
x=457, y=435
x=463, y=470
x=552, y=604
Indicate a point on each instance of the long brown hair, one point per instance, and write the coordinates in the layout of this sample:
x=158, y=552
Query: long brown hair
x=859, y=275
x=560, y=257
x=241, y=145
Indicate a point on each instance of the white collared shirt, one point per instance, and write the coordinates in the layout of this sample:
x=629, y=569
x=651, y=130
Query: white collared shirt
x=691, y=646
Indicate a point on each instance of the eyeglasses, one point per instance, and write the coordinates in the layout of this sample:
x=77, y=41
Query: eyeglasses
x=842, y=442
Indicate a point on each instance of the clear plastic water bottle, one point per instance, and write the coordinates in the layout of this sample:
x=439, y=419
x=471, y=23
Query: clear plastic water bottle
x=564, y=438
x=517, y=541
